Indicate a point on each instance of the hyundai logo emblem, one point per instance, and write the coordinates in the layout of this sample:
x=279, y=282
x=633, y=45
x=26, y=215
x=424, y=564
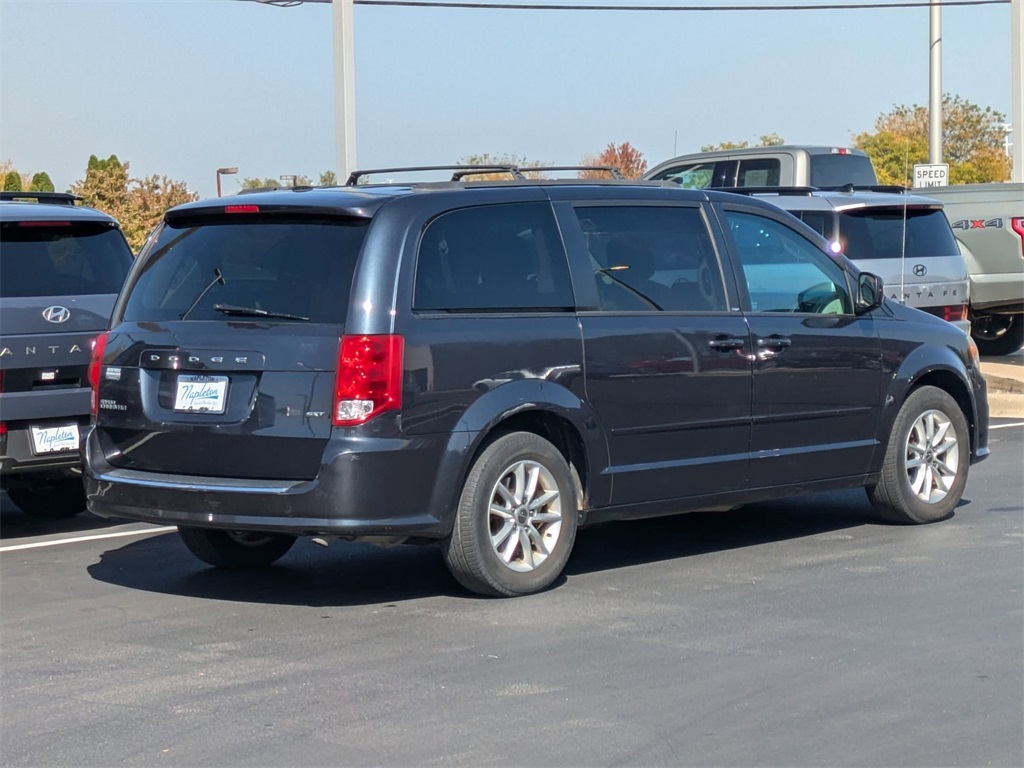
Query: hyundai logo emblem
x=56, y=314
x=920, y=270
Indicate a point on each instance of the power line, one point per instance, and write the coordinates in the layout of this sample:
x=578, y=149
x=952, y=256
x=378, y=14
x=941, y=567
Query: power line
x=663, y=8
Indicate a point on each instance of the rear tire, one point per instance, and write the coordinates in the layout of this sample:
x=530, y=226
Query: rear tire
x=50, y=499
x=236, y=550
x=998, y=335
x=516, y=520
x=925, y=467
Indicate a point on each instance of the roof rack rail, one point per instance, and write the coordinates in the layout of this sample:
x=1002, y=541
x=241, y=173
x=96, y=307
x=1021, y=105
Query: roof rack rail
x=56, y=198
x=765, y=190
x=610, y=169
x=458, y=171
x=865, y=188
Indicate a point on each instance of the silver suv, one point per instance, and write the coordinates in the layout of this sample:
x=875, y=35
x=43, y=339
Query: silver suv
x=905, y=239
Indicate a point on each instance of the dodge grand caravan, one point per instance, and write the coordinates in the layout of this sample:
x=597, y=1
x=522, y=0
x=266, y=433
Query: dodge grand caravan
x=486, y=366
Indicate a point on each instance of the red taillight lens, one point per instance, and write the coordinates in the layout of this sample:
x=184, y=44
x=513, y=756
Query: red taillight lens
x=1017, y=225
x=95, y=364
x=955, y=312
x=44, y=223
x=369, y=378
x=241, y=209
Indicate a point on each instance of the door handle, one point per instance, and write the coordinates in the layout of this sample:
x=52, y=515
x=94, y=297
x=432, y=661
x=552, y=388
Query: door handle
x=774, y=342
x=726, y=343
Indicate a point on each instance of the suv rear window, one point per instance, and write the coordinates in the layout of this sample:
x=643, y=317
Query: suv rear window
x=838, y=170
x=877, y=233
x=61, y=259
x=297, y=267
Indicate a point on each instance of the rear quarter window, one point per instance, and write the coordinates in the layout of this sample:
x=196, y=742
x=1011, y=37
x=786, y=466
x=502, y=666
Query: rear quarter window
x=837, y=170
x=70, y=259
x=493, y=258
x=299, y=267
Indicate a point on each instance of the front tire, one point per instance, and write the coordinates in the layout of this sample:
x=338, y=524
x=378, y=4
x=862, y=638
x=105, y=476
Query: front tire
x=50, y=498
x=236, y=550
x=516, y=520
x=925, y=467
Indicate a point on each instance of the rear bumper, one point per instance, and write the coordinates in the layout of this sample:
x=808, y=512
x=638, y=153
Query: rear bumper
x=17, y=456
x=365, y=487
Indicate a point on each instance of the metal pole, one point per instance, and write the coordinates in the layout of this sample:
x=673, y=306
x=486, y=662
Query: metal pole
x=218, y=183
x=344, y=88
x=1017, y=86
x=935, y=83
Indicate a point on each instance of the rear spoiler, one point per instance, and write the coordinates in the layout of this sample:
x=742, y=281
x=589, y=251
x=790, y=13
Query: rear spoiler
x=53, y=198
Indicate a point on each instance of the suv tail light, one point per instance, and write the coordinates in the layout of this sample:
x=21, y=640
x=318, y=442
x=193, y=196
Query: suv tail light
x=369, y=378
x=95, y=364
x=1017, y=225
x=955, y=312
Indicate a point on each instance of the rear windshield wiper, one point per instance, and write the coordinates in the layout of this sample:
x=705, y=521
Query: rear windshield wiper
x=231, y=309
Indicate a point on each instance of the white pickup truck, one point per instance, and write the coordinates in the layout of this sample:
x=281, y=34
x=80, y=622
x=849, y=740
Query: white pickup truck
x=988, y=221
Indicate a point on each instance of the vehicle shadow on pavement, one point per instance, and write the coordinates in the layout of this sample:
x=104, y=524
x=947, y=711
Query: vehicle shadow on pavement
x=360, y=574
x=15, y=524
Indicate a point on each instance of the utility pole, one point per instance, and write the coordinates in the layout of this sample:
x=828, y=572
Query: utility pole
x=935, y=83
x=1017, y=86
x=344, y=89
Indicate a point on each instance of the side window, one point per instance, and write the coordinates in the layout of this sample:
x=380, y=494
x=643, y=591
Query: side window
x=785, y=272
x=759, y=172
x=648, y=259
x=693, y=176
x=493, y=258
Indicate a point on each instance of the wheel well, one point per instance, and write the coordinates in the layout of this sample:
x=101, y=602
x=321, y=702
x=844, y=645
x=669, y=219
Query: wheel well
x=556, y=430
x=951, y=384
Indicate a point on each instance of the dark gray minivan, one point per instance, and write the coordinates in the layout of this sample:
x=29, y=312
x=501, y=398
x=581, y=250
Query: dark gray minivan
x=485, y=366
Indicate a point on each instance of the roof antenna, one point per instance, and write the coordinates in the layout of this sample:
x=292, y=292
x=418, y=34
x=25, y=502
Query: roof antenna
x=903, y=242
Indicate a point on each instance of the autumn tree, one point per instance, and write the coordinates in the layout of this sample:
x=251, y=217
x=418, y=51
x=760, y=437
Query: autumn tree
x=138, y=204
x=627, y=158
x=12, y=182
x=41, y=183
x=972, y=143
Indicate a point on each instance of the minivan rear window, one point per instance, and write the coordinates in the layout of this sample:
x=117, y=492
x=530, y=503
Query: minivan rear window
x=877, y=233
x=290, y=269
x=61, y=259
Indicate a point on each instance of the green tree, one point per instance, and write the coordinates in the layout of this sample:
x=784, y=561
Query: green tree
x=257, y=183
x=105, y=186
x=724, y=145
x=41, y=183
x=972, y=142
x=770, y=140
x=627, y=158
x=12, y=182
x=504, y=158
x=148, y=199
x=328, y=179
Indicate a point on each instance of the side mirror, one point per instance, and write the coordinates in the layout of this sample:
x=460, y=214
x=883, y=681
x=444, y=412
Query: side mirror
x=870, y=292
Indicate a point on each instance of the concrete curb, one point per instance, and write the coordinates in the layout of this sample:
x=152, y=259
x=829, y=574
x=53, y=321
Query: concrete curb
x=1003, y=384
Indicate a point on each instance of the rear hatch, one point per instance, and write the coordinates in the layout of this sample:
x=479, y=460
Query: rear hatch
x=58, y=282
x=222, y=357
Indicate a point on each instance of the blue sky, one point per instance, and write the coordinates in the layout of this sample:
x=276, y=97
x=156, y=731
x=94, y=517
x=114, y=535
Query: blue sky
x=182, y=88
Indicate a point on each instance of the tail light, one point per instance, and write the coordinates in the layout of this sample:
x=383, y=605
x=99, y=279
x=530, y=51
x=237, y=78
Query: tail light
x=1017, y=225
x=98, y=347
x=369, y=378
x=955, y=312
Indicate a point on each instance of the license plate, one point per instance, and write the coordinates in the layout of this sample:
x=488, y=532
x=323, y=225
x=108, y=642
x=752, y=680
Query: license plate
x=201, y=394
x=55, y=439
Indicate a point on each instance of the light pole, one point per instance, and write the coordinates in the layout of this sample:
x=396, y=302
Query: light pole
x=935, y=83
x=224, y=172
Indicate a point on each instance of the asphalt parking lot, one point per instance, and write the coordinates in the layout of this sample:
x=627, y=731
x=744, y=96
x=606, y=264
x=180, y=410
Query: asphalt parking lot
x=788, y=633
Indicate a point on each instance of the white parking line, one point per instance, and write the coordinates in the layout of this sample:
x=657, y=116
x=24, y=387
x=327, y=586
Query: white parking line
x=94, y=537
x=1004, y=426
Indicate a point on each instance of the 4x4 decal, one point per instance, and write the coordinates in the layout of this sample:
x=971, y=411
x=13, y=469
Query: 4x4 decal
x=977, y=223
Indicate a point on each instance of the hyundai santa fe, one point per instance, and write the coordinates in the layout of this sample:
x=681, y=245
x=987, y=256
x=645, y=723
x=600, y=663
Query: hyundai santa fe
x=486, y=366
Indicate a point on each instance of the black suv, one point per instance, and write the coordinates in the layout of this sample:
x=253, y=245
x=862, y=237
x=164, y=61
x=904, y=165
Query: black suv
x=61, y=267
x=489, y=365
